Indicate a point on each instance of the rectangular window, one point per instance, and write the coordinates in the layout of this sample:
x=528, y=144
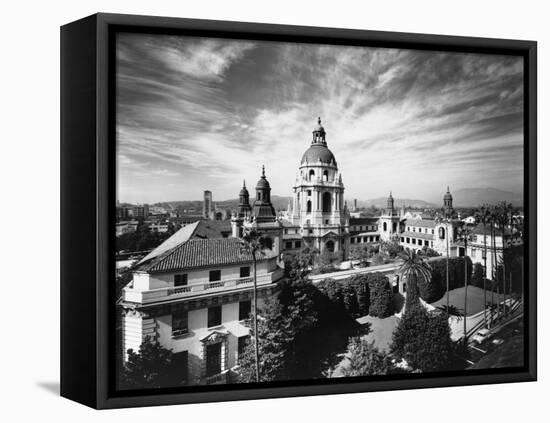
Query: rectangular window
x=414, y=240
x=286, y=231
x=244, y=309
x=242, y=341
x=414, y=229
x=244, y=272
x=309, y=193
x=180, y=280
x=288, y=245
x=298, y=244
x=215, y=275
x=408, y=240
x=214, y=316
x=179, y=322
x=402, y=239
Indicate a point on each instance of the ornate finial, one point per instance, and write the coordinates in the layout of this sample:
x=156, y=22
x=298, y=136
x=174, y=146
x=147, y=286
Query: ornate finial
x=448, y=188
x=319, y=120
x=244, y=183
x=263, y=171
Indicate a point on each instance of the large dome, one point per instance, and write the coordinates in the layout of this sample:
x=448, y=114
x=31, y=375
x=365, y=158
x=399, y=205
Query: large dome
x=316, y=153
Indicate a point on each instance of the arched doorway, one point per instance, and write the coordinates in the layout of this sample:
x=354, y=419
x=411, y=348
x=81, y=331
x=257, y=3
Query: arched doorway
x=330, y=246
x=327, y=200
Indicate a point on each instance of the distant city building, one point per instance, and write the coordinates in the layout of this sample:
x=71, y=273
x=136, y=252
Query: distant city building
x=123, y=213
x=160, y=227
x=140, y=212
x=207, y=204
x=125, y=227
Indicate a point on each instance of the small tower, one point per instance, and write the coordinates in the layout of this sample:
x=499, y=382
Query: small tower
x=388, y=223
x=263, y=210
x=448, y=204
x=244, y=208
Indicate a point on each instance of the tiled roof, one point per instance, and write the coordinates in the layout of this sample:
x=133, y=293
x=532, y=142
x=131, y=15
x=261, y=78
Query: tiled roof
x=180, y=236
x=199, y=229
x=482, y=229
x=421, y=223
x=197, y=253
x=363, y=221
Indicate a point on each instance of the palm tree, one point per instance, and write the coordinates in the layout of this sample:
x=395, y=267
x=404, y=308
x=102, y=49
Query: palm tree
x=505, y=211
x=254, y=244
x=452, y=311
x=439, y=220
x=413, y=268
x=494, y=268
x=465, y=234
x=483, y=216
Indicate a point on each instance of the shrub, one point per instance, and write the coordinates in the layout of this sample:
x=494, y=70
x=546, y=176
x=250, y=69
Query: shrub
x=380, y=295
x=423, y=339
x=364, y=359
x=434, y=289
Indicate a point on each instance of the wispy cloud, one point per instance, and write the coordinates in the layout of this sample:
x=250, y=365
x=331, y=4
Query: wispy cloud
x=195, y=114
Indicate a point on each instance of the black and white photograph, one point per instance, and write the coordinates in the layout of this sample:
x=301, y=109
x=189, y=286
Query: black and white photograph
x=299, y=211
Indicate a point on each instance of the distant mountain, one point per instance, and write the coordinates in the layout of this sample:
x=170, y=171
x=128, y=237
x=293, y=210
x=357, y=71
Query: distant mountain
x=381, y=202
x=471, y=197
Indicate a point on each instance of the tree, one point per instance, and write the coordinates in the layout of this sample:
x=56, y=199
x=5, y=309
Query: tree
x=254, y=244
x=274, y=334
x=465, y=235
x=391, y=248
x=414, y=269
x=364, y=359
x=478, y=276
x=150, y=367
x=483, y=215
x=380, y=295
x=423, y=339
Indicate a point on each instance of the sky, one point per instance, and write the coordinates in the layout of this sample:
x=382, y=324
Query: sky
x=197, y=114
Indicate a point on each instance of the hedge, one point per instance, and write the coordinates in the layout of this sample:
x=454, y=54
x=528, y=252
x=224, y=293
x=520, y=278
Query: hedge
x=436, y=287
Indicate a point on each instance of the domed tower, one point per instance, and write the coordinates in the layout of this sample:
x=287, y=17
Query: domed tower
x=448, y=203
x=263, y=210
x=388, y=224
x=318, y=203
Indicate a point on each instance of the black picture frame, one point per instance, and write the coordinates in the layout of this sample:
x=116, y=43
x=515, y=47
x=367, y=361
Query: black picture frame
x=88, y=198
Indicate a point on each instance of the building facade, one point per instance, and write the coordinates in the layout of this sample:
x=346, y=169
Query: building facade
x=194, y=298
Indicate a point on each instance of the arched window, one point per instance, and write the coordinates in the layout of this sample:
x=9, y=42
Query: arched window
x=311, y=174
x=309, y=206
x=258, y=196
x=327, y=200
x=385, y=226
x=394, y=227
x=442, y=233
x=325, y=175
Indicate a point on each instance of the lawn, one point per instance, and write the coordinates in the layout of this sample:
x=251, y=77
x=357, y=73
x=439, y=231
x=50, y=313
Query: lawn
x=380, y=330
x=475, y=299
